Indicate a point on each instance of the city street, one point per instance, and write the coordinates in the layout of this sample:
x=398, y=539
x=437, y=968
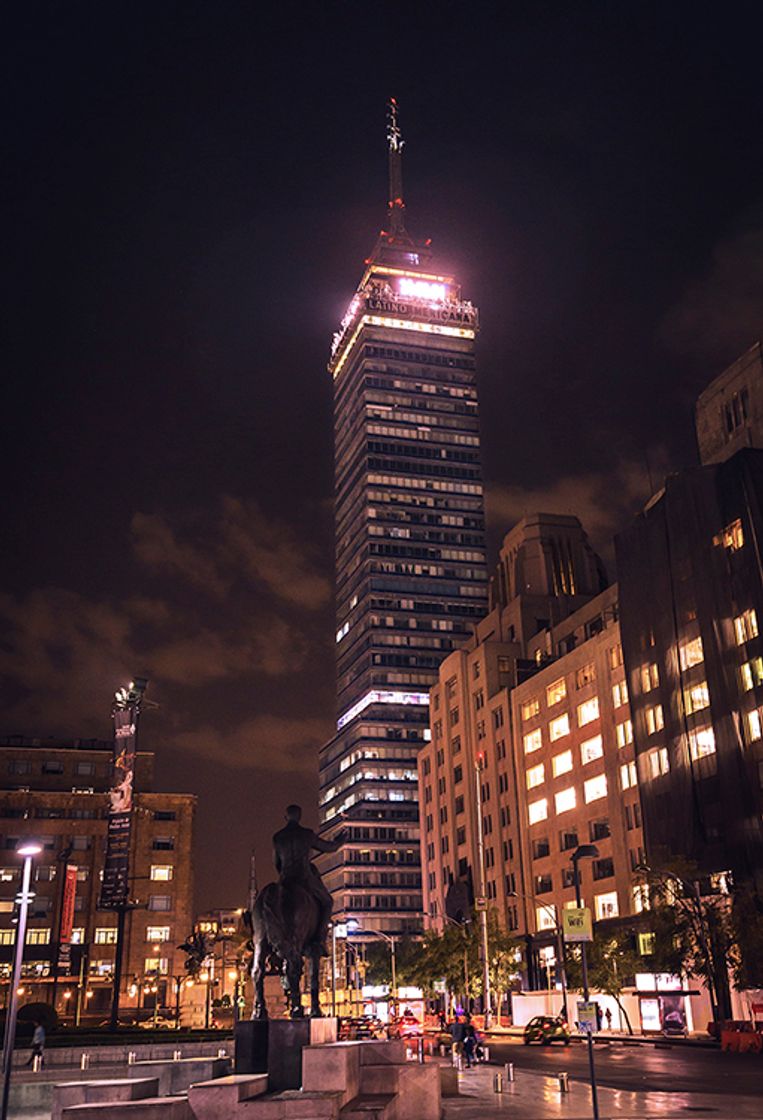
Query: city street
x=641, y=1067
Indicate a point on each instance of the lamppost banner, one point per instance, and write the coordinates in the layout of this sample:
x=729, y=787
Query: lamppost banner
x=67, y=904
x=114, y=889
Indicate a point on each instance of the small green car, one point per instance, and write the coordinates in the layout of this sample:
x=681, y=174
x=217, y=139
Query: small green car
x=546, y=1029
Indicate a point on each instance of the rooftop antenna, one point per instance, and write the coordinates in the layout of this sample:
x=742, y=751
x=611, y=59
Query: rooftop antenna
x=395, y=205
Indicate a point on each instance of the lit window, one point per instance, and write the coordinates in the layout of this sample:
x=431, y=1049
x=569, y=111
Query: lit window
x=38, y=937
x=8, y=874
x=754, y=724
x=157, y=933
x=628, y=775
x=691, y=653
x=162, y=872
x=732, y=537
x=531, y=708
x=641, y=903
x=78, y=935
x=559, y=727
x=605, y=905
x=619, y=694
x=746, y=626
x=615, y=656
x=696, y=697
x=105, y=935
x=537, y=811
x=595, y=788
x=535, y=776
x=7, y=936
x=658, y=762
x=591, y=749
x=545, y=917
x=588, y=711
x=701, y=742
x=624, y=733
x=533, y=741
x=565, y=800
x=752, y=673
x=561, y=763
x=650, y=677
x=654, y=719
x=156, y=964
x=556, y=692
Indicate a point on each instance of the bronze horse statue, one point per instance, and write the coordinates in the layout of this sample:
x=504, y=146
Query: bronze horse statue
x=285, y=926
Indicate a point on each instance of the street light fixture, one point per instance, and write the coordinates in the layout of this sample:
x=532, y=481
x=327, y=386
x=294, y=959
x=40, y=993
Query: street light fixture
x=28, y=850
x=586, y=851
x=353, y=926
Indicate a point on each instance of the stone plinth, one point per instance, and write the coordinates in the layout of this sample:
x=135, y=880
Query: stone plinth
x=274, y=1046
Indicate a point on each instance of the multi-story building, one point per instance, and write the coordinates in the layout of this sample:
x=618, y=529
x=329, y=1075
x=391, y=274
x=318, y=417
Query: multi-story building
x=542, y=727
x=410, y=555
x=729, y=413
x=56, y=792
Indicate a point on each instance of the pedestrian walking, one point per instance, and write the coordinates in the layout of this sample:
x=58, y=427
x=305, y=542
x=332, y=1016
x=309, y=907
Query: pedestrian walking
x=470, y=1045
x=608, y=1017
x=38, y=1043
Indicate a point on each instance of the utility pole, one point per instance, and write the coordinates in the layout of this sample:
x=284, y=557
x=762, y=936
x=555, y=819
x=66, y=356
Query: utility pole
x=586, y=851
x=482, y=901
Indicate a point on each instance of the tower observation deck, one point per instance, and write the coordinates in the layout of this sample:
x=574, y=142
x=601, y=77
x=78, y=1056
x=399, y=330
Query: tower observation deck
x=410, y=555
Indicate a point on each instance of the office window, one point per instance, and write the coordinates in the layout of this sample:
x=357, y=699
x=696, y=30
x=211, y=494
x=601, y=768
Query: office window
x=691, y=653
x=541, y=848
x=535, y=776
x=163, y=843
x=696, y=697
x=162, y=872
x=533, y=741
x=460, y=838
x=568, y=839
x=459, y=804
x=586, y=674
x=615, y=656
x=603, y=868
x=8, y=874
x=605, y=905
x=595, y=788
x=658, y=762
x=105, y=935
x=84, y=769
x=561, y=763
x=497, y=718
x=52, y=766
x=530, y=708
x=537, y=811
x=754, y=724
x=559, y=727
x=545, y=917
x=156, y=964
x=542, y=884
x=752, y=673
x=7, y=936
x=157, y=933
x=599, y=830
x=479, y=700
x=588, y=711
x=701, y=742
x=650, y=677
x=746, y=626
x=628, y=775
x=565, y=800
x=591, y=749
x=556, y=692
x=619, y=694
x=654, y=719
x=38, y=937
x=624, y=733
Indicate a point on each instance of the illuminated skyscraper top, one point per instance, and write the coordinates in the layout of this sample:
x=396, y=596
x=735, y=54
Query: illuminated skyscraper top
x=410, y=551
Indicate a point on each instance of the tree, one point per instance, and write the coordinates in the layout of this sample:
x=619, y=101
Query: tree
x=612, y=961
x=504, y=961
x=746, y=924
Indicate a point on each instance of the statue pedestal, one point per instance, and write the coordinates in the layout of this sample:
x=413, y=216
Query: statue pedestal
x=274, y=1046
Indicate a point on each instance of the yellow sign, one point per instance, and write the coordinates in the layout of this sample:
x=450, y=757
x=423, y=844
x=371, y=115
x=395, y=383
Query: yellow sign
x=576, y=924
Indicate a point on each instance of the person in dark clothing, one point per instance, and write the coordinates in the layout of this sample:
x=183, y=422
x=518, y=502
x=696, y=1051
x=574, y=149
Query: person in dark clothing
x=38, y=1043
x=470, y=1044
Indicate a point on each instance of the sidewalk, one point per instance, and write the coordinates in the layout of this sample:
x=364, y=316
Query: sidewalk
x=534, y=1096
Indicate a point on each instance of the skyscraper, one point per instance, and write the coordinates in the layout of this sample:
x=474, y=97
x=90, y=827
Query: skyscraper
x=410, y=553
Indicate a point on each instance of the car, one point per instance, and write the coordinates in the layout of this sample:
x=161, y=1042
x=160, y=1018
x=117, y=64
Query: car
x=363, y=1026
x=405, y=1026
x=546, y=1029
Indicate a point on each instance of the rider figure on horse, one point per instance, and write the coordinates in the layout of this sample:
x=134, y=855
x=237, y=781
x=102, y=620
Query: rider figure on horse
x=292, y=846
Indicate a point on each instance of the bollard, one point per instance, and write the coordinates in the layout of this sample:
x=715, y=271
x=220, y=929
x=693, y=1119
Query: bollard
x=509, y=1071
x=176, y=1056
x=131, y=1058
x=222, y=1052
x=84, y=1062
x=564, y=1082
x=443, y=1050
x=498, y=1083
x=37, y=1063
x=420, y=1051
x=486, y=1053
x=460, y=1064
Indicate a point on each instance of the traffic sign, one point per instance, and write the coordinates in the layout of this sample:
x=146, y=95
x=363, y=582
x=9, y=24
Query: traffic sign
x=587, y=1016
x=576, y=924
x=480, y=904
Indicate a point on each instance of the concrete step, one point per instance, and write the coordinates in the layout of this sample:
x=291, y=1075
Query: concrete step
x=290, y=1104
x=72, y=1093
x=218, y=1099
x=368, y=1106
x=151, y=1108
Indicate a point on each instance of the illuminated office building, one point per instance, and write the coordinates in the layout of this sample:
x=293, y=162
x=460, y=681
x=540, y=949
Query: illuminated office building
x=410, y=554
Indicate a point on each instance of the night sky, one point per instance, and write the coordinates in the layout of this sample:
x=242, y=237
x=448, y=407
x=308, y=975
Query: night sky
x=190, y=191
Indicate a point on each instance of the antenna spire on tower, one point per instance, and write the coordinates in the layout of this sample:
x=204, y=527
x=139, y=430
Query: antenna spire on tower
x=396, y=205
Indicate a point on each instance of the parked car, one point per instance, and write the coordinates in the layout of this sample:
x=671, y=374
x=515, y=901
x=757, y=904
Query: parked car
x=546, y=1029
x=405, y=1026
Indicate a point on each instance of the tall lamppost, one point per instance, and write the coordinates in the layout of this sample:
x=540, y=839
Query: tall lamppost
x=28, y=851
x=586, y=851
x=559, y=942
x=484, y=948
x=353, y=926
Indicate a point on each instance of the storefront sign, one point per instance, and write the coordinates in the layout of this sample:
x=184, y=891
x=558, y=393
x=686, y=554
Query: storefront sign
x=576, y=924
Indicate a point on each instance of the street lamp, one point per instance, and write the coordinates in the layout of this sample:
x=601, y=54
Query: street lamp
x=586, y=851
x=28, y=851
x=559, y=943
x=353, y=927
x=702, y=931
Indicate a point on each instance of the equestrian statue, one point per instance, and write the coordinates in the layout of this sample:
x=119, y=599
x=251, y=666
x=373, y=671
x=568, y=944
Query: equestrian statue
x=290, y=918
